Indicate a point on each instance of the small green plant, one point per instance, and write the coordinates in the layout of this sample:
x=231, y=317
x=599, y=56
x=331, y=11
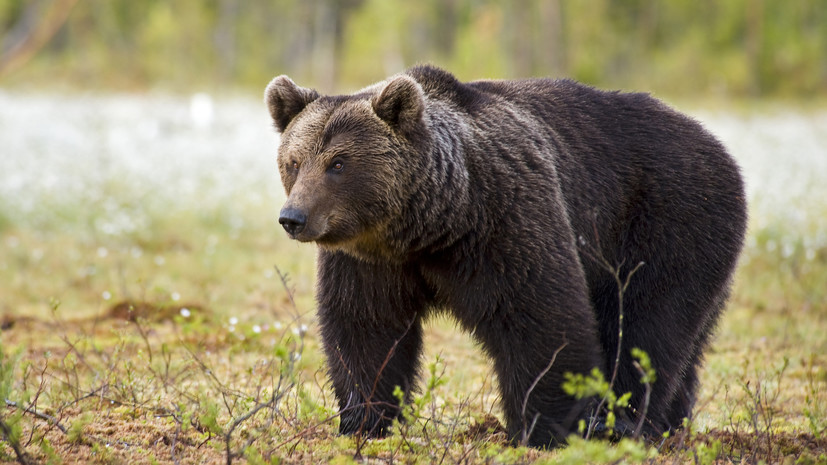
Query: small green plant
x=208, y=417
x=254, y=457
x=49, y=452
x=595, y=385
x=643, y=364
x=509, y=455
x=762, y=395
x=10, y=426
x=815, y=399
x=75, y=431
x=602, y=451
x=706, y=453
x=103, y=454
x=415, y=411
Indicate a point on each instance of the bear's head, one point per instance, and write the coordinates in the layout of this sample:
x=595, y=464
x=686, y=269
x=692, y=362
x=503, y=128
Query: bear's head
x=346, y=162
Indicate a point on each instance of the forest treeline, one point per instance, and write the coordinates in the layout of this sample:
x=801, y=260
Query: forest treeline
x=742, y=48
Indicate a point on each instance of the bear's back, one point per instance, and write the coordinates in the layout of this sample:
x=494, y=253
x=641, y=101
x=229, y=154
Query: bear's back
x=612, y=151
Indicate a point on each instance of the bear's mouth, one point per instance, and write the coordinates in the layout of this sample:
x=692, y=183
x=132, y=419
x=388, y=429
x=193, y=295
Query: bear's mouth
x=335, y=230
x=305, y=236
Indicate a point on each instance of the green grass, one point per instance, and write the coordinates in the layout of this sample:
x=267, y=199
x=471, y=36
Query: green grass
x=86, y=380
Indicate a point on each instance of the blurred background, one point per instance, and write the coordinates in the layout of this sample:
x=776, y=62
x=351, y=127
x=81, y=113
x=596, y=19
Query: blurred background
x=137, y=159
x=733, y=48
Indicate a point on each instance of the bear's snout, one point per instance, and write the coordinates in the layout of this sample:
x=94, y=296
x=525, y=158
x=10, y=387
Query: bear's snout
x=293, y=220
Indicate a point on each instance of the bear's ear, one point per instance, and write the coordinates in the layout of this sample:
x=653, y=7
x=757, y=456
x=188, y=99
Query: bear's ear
x=285, y=100
x=401, y=103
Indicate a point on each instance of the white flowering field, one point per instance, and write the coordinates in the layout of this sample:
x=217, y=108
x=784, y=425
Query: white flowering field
x=120, y=159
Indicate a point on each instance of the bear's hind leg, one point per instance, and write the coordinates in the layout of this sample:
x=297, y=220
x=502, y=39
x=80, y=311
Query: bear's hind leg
x=686, y=393
x=670, y=318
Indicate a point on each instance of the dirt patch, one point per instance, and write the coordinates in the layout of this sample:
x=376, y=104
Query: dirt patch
x=117, y=436
x=132, y=311
x=748, y=447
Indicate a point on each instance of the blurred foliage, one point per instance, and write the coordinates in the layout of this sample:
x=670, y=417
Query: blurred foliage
x=743, y=48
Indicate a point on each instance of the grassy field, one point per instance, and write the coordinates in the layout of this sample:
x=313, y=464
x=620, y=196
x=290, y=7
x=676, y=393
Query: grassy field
x=154, y=312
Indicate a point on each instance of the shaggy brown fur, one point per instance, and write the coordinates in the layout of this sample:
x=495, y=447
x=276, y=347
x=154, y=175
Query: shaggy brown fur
x=496, y=201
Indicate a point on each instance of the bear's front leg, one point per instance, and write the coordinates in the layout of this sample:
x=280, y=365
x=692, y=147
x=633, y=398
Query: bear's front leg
x=370, y=316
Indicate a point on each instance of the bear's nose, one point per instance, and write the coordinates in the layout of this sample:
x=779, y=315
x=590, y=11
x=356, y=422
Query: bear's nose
x=293, y=220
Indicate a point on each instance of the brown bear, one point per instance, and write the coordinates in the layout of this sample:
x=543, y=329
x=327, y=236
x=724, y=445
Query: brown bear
x=514, y=206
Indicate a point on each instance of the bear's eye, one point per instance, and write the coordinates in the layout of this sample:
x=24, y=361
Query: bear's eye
x=295, y=165
x=337, y=166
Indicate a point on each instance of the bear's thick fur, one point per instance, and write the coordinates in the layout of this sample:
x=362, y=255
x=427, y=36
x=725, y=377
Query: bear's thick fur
x=507, y=204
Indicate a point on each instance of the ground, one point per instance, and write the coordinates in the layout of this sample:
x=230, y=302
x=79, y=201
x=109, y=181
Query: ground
x=153, y=311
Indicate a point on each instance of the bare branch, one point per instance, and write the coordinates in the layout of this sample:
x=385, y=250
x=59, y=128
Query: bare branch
x=49, y=419
x=595, y=254
x=645, y=408
x=526, y=431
